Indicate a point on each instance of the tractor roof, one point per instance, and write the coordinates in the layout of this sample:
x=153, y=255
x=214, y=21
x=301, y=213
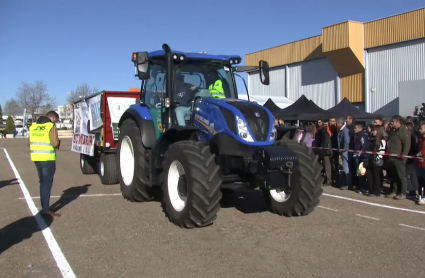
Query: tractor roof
x=195, y=55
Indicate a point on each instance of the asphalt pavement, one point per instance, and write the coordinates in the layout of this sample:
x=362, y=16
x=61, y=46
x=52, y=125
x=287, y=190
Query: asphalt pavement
x=100, y=234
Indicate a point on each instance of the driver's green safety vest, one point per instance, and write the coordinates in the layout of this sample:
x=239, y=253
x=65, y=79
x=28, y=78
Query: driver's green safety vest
x=216, y=89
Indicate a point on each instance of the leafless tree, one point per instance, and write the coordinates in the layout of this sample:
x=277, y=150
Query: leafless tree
x=12, y=108
x=35, y=97
x=82, y=90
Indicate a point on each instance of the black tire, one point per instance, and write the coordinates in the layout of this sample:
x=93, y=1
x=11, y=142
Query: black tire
x=87, y=164
x=305, y=195
x=203, y=182
x=108, y=170
x=135, y=190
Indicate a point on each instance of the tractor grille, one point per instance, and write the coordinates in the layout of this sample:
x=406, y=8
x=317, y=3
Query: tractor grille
x=259, y=125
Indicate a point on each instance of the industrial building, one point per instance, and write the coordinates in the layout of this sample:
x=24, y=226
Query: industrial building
x=379, y=65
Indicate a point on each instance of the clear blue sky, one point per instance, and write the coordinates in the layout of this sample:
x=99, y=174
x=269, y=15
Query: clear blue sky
x=66, y=43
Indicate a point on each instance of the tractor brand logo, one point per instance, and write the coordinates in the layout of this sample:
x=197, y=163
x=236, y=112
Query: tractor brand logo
x=180, y=94
x=202, y=119
x=211, y=128
x=40, y=128
x=257, y=114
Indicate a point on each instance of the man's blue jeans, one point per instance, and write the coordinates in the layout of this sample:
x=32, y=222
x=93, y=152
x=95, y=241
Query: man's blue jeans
x=346, y=163
x=181, y=112
x=46, y=171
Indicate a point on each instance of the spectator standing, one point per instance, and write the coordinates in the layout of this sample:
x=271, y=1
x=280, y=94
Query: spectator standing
x=335, y=154
x=399, y=144
x=344, y=143
x=374, y=163
x=411, y=166
x=327, y=155
x=360, y=143
x=421, y=164
x=309, y=137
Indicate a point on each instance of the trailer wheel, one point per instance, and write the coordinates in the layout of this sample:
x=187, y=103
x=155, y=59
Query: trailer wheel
x=191, y=185
x=132, y=164
x=108, y=171
x=87, y=164
x=305, y=194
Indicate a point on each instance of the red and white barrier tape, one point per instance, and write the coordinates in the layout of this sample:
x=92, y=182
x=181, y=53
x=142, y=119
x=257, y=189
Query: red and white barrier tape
x=370, y=152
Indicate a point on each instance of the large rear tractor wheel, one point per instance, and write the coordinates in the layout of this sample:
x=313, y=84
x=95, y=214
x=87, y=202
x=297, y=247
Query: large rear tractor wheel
x=132, y=164
x=108, y=170
x=87, y=164
x=303, y=197
x=191, y=187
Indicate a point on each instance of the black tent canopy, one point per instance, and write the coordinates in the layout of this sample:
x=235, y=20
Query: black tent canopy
x=345, y=108
x=274, y=109
x=303, y=109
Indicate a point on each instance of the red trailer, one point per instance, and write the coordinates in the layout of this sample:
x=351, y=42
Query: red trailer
x=96, y=131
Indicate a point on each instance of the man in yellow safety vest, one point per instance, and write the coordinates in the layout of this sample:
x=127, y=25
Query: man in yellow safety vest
x=43, y=142
x=216, y=88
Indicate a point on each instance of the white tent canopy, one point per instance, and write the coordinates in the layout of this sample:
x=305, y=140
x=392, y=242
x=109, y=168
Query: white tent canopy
x=282, y=102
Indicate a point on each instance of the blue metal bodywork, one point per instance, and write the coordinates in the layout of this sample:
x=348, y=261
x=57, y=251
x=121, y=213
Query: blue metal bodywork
x=210, y=120
x=161, y=53
x=141, y=110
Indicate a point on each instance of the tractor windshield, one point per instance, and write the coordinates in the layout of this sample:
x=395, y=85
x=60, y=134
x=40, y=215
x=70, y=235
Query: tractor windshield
x=211, y=76
x=193, y=76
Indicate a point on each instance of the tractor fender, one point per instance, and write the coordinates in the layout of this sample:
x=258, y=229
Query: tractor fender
x=170, y=136
x=140, y=114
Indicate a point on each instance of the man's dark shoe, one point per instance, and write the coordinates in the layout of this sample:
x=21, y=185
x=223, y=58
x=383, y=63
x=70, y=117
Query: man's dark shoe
x=390, y=195
x=399, y=197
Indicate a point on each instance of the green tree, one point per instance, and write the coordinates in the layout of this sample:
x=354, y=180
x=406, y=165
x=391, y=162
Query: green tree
x=10, y=125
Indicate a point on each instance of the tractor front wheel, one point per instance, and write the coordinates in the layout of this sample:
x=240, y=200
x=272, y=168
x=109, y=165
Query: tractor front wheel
x=191, y=187
x=305, y=193
x=132, y=164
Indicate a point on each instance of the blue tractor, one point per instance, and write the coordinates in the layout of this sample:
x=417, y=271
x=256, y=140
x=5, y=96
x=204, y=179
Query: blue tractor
x=184, y=139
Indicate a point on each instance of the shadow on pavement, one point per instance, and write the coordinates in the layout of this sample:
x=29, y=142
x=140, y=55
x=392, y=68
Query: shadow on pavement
x=68, y=196
x=246, y=201
x=5, y=183
x=22, y=229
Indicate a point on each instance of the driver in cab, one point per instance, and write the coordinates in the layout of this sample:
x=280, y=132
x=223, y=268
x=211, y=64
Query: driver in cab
x=184, y=95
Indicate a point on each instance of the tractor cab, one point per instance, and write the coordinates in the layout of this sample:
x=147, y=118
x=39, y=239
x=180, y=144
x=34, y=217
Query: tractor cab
x=172, y=81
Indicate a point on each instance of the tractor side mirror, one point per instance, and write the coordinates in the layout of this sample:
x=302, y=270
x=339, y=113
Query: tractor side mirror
x=141, y=65
x=264, y=73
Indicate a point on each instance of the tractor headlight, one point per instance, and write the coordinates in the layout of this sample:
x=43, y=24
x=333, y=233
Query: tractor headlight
x=273, y=134
x=243, y=130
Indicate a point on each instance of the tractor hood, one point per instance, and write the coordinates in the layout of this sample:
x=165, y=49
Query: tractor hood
x=258, y=118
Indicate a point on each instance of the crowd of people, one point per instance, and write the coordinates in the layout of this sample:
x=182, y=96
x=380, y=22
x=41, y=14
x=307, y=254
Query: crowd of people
x=364, y=173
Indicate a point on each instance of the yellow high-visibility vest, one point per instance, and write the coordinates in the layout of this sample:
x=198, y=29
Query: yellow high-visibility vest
x=40, y=146
x=216, y=89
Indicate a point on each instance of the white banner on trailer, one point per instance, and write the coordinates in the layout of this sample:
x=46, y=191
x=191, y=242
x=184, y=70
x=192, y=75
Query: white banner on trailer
x=95, y=114
x=117, y=107
x=77, y=121
x=83, y=144
x=84, y=113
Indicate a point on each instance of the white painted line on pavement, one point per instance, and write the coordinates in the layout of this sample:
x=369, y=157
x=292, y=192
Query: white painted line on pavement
x=59, y=257
x=374, y=204
x=322, y=207
x=413, y=227
x=368, y=217
x=74, y=196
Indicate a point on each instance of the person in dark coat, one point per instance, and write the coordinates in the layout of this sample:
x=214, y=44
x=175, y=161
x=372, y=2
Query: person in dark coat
x=411, y=167
x=399, y=144
x=374, y=163
x=344, y=144
x=360, y=143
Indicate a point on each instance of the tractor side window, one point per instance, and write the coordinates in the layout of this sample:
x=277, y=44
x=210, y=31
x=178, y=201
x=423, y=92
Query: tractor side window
x=155, y=87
